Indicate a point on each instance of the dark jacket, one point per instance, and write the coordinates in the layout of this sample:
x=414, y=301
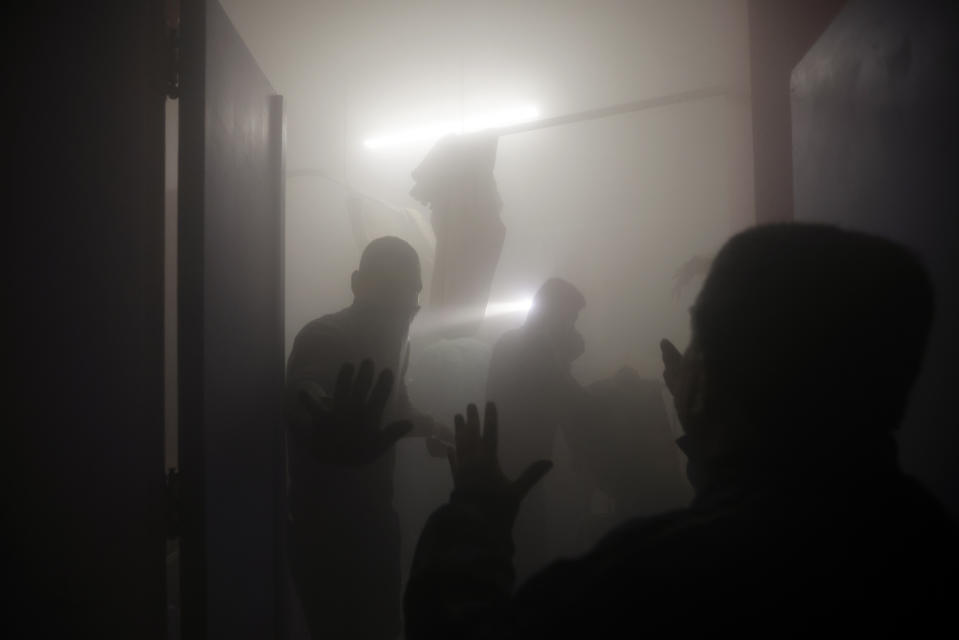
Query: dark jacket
x=792, y=549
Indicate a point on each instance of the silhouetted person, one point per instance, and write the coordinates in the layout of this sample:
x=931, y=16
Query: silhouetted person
x=532, y=385
x=344, y=533
x=806, y=340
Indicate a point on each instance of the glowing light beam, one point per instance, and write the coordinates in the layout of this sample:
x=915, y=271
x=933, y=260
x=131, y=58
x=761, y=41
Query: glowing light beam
x=502, y=308
x=436, y=130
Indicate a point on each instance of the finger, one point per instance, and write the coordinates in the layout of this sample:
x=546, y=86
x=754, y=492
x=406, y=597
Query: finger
x=472, y=429
x=671, y=355
x=670, y=377
x=490, y=431
x=361, y=388
x=672, y=361
x=388, y=437
x=380, y=395
x=530, y=477
x=451, y=457
x=344, y=382
x=459, y=435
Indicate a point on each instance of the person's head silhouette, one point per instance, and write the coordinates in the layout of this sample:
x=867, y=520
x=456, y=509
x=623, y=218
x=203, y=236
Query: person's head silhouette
x=556, y=307
x=388, y=281
x=809, y=339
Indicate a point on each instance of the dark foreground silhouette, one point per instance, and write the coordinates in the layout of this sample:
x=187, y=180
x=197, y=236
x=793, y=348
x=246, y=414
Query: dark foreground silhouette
x=806, y=340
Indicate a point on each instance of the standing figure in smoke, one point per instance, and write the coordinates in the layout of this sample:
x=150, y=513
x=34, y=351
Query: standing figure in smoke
x=344, y=532
x=531, y=382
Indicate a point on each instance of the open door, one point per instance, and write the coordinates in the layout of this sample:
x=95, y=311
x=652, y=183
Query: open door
x=230, y=331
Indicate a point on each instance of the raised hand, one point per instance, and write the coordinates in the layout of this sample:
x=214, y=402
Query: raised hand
x=476, y=472
x=345, y=429
x=684, y=377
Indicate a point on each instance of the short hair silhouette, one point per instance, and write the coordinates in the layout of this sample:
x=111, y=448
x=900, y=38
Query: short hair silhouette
x=556, y=298
x=389, y=257
x=389, y=273
x=810, y=325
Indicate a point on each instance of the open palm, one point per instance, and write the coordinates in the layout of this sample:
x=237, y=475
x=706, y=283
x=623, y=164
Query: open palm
x=346, y=428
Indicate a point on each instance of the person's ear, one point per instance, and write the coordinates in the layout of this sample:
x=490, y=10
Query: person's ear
x=355, y=284
x=689, y=392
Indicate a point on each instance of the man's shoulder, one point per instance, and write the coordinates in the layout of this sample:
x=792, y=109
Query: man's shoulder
x=633, y=562
x=332, y=327
x=512, y=336
x=764, y=524
x=516, y=345
x=649, y=530
x=321, y=346
x=685, y=539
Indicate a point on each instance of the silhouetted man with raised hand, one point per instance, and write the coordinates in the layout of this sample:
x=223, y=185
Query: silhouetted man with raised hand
x=806, y=341
x=344, y=532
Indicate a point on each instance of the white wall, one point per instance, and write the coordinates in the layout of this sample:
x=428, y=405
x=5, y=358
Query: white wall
x=615, y=206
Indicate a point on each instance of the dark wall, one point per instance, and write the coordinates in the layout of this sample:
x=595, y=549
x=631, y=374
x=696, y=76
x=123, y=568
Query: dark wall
x=876, y=140
x=83, y=213
x=780, y=32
